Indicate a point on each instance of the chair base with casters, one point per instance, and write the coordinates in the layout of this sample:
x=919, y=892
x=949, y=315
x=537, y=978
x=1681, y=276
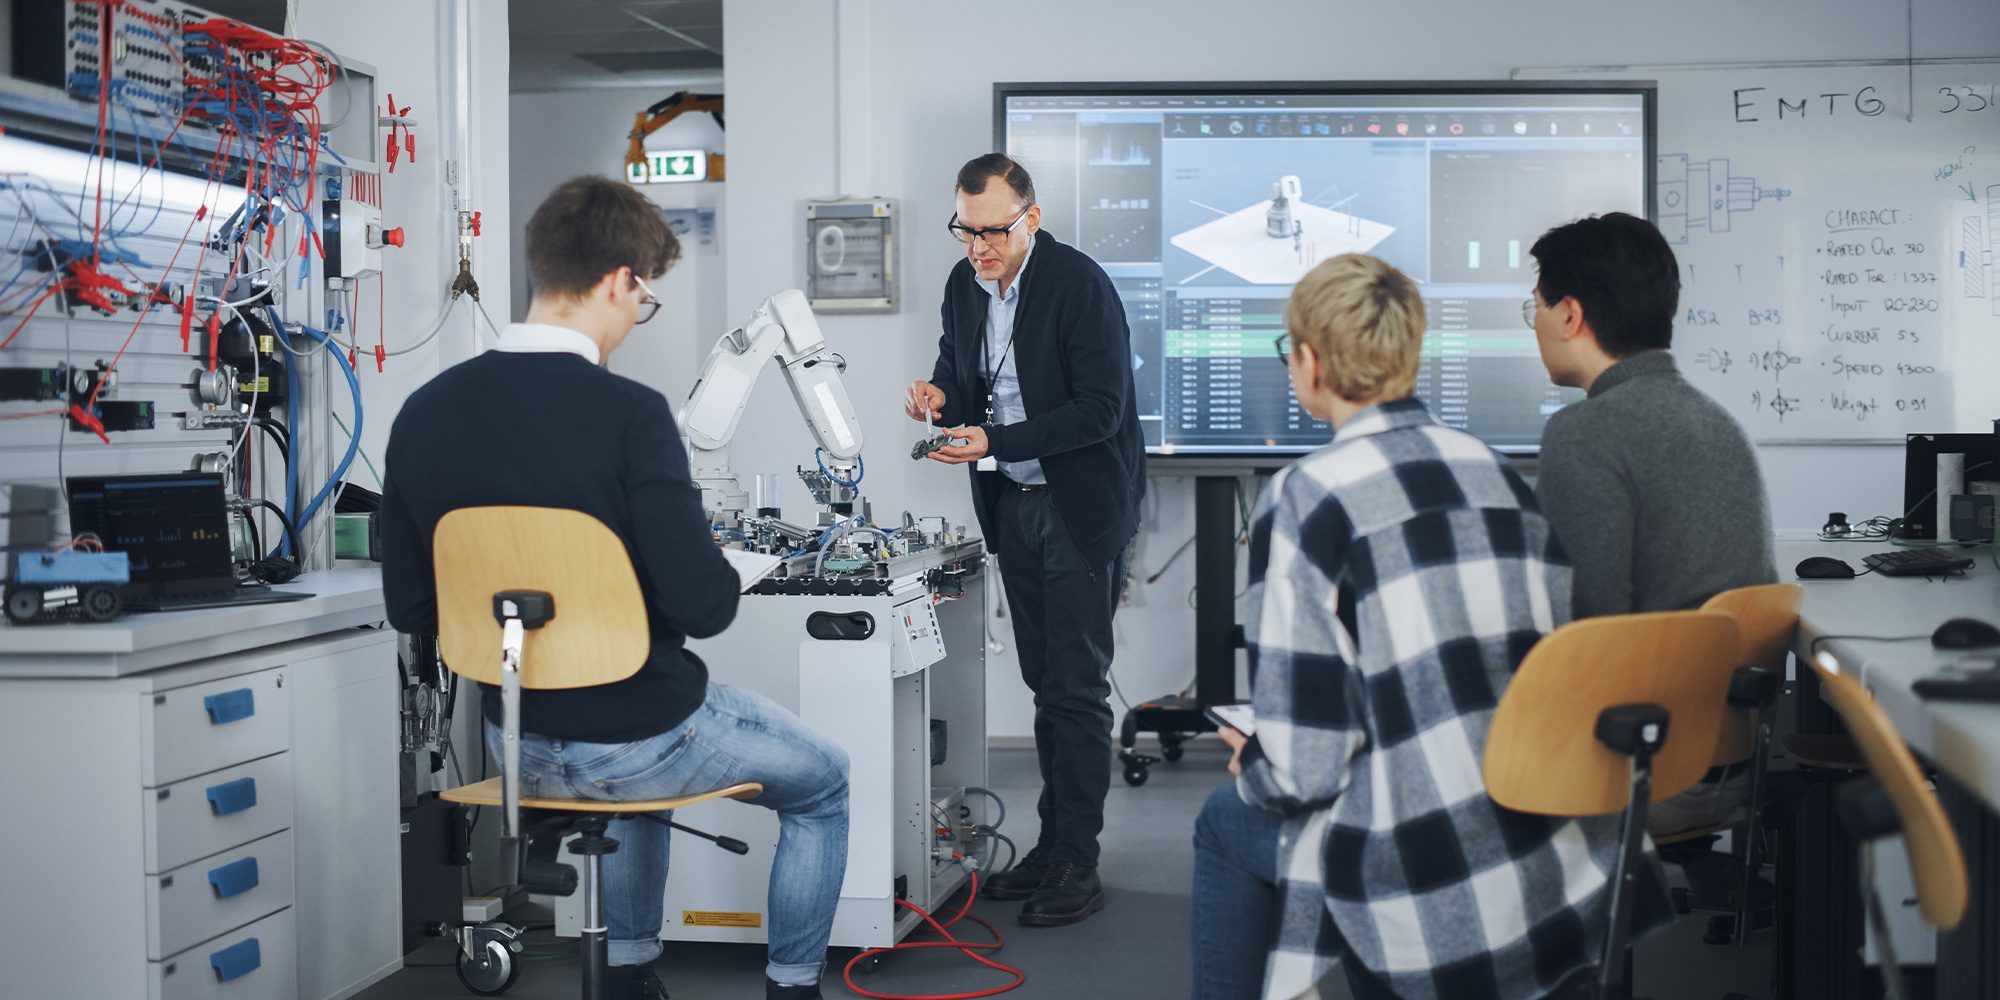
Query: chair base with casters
x=485, y=951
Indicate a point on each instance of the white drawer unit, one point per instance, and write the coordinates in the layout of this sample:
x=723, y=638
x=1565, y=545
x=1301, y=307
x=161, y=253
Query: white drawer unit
x=204, y=826
x=257, y=962
x=213, y=812
x=200, y=900
x=206, y=727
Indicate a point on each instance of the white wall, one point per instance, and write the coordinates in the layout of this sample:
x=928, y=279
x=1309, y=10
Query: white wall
x=412, y=62
x=919, y=103
x=562, y=134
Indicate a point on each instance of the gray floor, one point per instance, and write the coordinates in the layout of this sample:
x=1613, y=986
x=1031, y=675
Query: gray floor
x=1136, y=948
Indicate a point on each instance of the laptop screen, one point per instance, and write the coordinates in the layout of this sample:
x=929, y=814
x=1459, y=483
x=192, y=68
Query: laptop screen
x=173, y=526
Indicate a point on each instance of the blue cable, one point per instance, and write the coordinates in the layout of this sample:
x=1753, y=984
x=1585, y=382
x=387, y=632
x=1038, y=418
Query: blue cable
x=291, y=408
x=860, y=469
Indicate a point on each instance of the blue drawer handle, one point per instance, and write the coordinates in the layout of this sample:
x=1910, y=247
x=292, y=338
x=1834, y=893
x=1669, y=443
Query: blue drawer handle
x=232, y=796
x=239, y=959
x=234, y=878
x=230, y=706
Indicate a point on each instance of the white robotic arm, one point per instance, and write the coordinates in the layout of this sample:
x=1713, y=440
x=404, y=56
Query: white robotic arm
x=783, y=327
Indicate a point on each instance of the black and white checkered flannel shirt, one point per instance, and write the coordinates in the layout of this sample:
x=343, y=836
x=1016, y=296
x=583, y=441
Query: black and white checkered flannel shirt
x=1398, y=577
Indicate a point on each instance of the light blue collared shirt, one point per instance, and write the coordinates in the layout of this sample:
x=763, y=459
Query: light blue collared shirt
x=1007, y=406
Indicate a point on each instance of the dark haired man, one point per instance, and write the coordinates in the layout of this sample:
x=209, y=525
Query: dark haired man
x=1652, y=487
x=539, y=422
x=1034, y=374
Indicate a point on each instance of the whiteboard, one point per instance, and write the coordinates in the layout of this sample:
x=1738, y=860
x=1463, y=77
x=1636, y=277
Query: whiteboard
x=1839, y=242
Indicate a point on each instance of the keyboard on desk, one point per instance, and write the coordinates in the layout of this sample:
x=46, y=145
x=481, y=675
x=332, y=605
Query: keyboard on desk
x=212, y=599
x=1916, y=562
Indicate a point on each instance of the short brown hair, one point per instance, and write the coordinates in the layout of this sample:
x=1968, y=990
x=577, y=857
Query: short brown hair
x=1365, y=319
x=977, y=171
x=590, y=227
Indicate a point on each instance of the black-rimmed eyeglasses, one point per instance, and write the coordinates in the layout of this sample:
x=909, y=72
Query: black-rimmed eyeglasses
x=995, y=236
x=650, y=305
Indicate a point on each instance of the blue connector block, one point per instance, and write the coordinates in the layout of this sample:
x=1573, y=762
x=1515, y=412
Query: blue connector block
x=71, y=566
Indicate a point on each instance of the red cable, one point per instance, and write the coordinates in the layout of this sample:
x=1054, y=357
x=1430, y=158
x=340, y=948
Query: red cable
x=970, y=949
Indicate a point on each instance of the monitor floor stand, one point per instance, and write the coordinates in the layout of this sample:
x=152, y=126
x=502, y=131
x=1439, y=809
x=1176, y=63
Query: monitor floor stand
x=1217, y=637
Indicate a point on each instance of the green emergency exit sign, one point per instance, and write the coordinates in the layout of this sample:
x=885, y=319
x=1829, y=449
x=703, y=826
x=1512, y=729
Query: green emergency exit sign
x=670, y=166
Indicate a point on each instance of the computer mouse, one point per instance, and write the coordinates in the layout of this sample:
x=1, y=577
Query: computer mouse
x=1823, y=568
x=1965, y=633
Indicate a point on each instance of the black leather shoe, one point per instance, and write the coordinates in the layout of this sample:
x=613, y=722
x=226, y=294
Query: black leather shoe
x=774, y=990
x=1020, y=881
x=1069, y=893
x=633, y=982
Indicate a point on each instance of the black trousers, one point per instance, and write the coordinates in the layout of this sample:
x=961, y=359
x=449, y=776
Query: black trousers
x=1062, y=609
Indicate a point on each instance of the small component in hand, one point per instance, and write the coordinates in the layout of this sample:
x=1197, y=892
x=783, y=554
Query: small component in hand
x=922, y=449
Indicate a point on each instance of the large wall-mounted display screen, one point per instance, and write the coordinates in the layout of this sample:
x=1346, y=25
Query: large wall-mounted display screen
x=1207, y=202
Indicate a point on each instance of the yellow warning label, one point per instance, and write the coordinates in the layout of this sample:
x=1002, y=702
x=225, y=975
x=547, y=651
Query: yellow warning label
x=714, y=918
x=267, y=344
x=260, y=384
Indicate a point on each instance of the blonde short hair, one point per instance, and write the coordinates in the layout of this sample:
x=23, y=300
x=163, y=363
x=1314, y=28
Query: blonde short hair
x=1365, y=320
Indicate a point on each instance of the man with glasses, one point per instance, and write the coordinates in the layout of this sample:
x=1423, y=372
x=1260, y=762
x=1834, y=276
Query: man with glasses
x=1651, y=485
x=1034, y=378
x=538, y=421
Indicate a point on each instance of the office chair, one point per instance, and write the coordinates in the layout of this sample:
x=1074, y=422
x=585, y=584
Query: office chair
x=1893, y=798
x=1766, y=616
x=540, y=598
x=1607, y=715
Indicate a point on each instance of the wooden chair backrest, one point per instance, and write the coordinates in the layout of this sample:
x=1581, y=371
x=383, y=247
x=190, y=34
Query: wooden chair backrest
x=599, y=634
x=1933, y=847
x=1541, y=753
x=1767, y=616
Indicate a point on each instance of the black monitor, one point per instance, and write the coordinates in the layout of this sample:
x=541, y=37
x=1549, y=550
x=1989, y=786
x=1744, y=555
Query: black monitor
x=1206, y=202
x=173, y=526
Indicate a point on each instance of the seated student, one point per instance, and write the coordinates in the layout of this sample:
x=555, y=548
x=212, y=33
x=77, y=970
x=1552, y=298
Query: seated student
x=538, y=421
x=1398, y=577
x=1651, y=486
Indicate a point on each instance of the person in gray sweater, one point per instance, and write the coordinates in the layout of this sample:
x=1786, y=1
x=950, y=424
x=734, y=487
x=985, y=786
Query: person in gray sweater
x=1652, y=488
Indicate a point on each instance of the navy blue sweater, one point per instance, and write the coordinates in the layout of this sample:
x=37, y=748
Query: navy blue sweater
x=1073, y=353
x=554, y=430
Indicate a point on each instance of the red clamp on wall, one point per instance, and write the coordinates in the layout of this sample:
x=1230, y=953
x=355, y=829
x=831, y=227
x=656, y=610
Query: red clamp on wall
x=187, y=321
x=214, y=336
x=381, y=355
x=89, y=420
x=351, y=356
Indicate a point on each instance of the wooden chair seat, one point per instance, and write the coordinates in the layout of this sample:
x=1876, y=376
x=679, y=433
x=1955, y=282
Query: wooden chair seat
x=487, y=793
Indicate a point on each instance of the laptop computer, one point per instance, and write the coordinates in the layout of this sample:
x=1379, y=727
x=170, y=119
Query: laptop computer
x=175, y=528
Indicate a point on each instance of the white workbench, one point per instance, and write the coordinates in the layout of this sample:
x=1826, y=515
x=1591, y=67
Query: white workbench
x=204, y=804
x=1962, y=738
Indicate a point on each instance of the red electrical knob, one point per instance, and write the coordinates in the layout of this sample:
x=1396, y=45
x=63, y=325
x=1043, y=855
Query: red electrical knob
x=475, y=223
x=393, y=237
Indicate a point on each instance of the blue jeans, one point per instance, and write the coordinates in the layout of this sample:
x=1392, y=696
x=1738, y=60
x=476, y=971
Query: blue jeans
x=1235, y=916
x=736, y=735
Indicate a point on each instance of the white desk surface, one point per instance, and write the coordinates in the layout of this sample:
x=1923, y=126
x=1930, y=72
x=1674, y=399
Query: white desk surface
x=342, y=598
x=1961, y=737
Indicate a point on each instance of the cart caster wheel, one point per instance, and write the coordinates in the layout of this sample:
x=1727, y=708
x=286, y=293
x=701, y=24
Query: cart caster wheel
x=1135, y=776
x=872, y=963
x=1171, y=751
x=493, y=972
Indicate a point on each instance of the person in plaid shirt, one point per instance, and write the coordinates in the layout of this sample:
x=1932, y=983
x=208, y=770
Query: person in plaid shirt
x=1398, y=577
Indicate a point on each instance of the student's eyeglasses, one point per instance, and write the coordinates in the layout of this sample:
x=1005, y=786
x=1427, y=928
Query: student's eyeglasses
x=650, y=305
x=1283, y=342
x=1528, y=307
x=995, y=236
